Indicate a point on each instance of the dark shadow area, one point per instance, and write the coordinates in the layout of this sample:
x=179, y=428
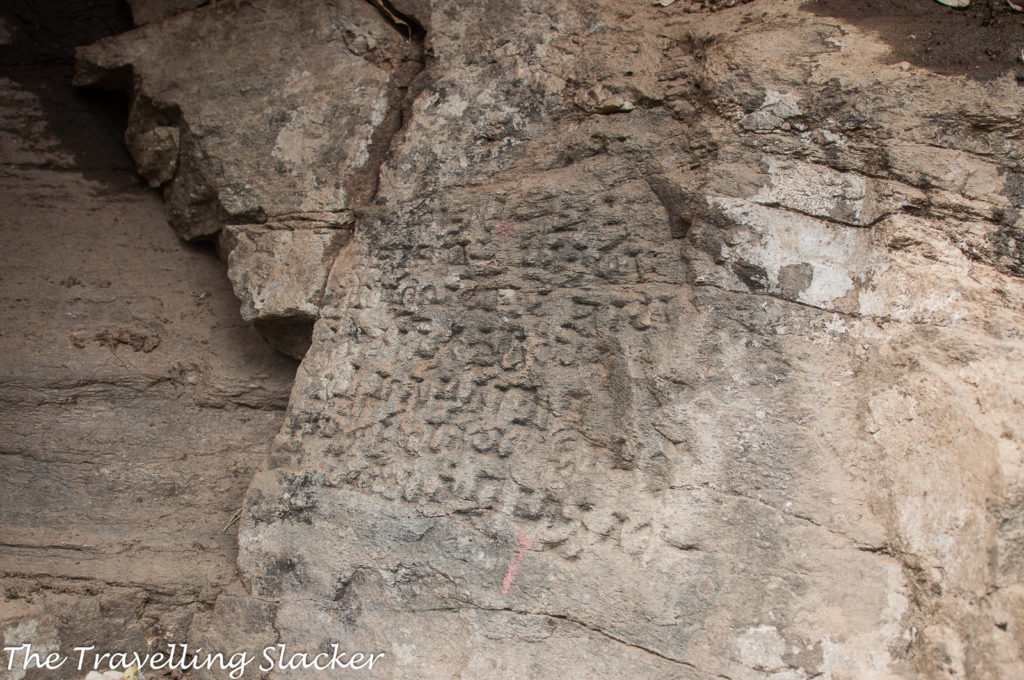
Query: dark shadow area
x=290, y=337
x=48, y=31
x=40, y=57
x=983, y=40
x=406, y=24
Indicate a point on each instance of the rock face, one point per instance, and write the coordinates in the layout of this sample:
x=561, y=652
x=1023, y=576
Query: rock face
x=255, y=136
x=667, y=342
x=253, y=142
x=136, y=404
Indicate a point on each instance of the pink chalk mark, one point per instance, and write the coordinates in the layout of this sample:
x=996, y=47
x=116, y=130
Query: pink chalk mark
x=513, y=567
x=504, y=229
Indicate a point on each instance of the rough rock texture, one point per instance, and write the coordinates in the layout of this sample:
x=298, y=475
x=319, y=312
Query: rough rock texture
x=257, y=140
x=669, y=342
x=254, y=139
x=135, y=403
x=281, y=273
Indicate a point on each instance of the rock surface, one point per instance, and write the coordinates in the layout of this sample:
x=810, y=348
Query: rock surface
x=254, y=140
x=136, y=404
x=256, y=130
x=672, y=341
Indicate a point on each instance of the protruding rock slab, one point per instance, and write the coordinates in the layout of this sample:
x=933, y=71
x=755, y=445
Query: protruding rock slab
x=279, y=106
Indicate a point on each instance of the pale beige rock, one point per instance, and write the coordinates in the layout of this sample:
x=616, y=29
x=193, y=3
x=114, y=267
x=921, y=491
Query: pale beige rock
x=280, y=273
x=575, y=359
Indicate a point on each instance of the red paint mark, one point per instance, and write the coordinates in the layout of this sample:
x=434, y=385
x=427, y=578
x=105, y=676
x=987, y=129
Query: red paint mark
x=513, y=567
x=504, y=229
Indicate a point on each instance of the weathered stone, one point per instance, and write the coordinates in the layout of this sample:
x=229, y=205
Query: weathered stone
x=668, y=342
x=280, y=273
x=574, y=412
x=286, y=117
x=156, y=153
x=521, y=404
x=136, y=403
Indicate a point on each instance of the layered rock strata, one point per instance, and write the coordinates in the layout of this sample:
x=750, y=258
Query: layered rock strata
x=666, y=341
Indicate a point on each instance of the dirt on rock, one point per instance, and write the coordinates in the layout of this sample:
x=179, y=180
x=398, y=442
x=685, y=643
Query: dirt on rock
x=983, y=40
